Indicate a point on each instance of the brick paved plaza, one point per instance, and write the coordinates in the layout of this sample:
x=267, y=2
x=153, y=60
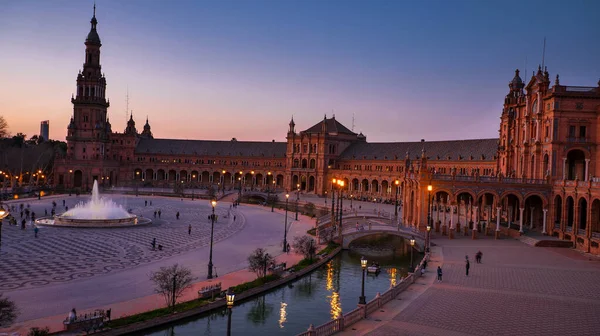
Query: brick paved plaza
x=517, y=290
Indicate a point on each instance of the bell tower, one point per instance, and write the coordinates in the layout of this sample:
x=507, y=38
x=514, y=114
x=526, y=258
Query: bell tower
x=89, y=130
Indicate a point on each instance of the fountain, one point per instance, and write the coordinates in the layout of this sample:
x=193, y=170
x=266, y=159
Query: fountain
x=98, y=212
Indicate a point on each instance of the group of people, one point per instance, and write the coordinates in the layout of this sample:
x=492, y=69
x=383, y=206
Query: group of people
x=478, y=257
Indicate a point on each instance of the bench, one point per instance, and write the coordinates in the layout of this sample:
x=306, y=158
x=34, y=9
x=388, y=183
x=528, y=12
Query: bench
x=87, y=322
x=278, y=269
x=209, y=291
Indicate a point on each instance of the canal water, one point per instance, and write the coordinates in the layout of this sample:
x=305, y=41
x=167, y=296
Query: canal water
x=318, y=297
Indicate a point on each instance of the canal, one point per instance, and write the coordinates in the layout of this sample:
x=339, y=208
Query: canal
x=322, y=295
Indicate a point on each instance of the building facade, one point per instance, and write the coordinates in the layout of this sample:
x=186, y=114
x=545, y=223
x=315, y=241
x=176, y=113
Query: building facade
x=45, y=130
x=538, y=175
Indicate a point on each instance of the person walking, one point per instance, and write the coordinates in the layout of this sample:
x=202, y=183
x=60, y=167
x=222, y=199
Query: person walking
x=467, y=265
x=145, y=203
x=153, y=243
x=478, y=257
x=439, y=274
x=177, y=215
x=35, y=230
x=154, y=213
x=159, y=213
x=190, y=229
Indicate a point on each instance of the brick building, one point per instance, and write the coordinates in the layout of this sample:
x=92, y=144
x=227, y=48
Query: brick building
x=539, y=175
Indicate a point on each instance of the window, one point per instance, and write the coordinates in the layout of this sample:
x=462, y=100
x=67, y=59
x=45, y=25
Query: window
x=582, y=131
x=571, y=131
x=305, y=148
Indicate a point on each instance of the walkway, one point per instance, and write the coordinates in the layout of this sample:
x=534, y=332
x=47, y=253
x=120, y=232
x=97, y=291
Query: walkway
x=517, y=290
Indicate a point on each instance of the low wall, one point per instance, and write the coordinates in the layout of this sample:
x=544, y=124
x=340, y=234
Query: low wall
x=363, y=311
x=220, y=303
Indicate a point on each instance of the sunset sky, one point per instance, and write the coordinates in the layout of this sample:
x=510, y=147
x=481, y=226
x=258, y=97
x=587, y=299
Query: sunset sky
x=406, y=70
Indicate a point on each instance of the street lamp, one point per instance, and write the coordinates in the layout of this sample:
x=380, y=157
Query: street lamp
x=397, y=183
x=273, y=199
x=429, y=189
x=297, y=198
x=223, y=181
x=252, y=172
x=428, y=237
x=287, y=197
x=240, y=191
x=341, y=205
x=230, y=297
x=351, y=196
x=363, y=263
x=333, y=181
x=212, y=227
x=412, y=246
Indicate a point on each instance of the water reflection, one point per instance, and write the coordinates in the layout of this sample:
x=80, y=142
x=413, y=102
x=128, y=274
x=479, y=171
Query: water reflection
x=313, y=299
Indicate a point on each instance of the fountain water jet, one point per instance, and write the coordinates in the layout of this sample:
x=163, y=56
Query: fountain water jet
x=98, y=212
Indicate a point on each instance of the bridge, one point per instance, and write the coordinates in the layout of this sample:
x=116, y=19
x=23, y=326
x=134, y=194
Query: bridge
x=350, y=234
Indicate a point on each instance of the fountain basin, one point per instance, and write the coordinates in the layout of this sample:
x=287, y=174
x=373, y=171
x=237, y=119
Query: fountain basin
x=93, y=223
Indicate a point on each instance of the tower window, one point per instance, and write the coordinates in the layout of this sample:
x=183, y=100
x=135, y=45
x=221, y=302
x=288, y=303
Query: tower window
x=582, y=131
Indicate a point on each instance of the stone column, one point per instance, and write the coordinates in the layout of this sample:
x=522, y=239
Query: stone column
x=521, y=211
x=437, y=221
x=457, y=216
x=451, y=234
x=497, y=232
x=564, y=168
x=444, y=220
x=474, y=231
x=531, y=218
x=587, y=169
x=544, y=222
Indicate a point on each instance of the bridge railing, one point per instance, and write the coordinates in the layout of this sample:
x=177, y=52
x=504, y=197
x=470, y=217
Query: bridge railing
x=363, y=311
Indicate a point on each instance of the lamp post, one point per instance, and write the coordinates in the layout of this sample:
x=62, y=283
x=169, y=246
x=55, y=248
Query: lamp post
x=273, y=199
x=252, y=173
x=212, y=227
x=297, y=198
x=341, y=207
x=71, y=182
x=223, y=181
x=363, y=263
x=412, y=247
x=240, y=191
x=429, y=189
x=287, y=197
x=230, y=297
x=351, y=196
x=397, y=183
x=333, y=201
x=428, y=238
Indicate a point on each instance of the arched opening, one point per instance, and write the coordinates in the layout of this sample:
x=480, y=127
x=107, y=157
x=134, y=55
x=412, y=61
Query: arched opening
x=375, y=186
x=183, y=176
x=270, y=179
x=512, y=206
x=296, y=163
x=295, y=181
x=313, y=164
x=570, y=213
x=227, y=179
x=532, y=168
x=259, y=180
x=304, y=163
x=464, y=211
x=486, y=204
x=385, y=186
x=195, y=176
x=582, y=215
x=311, y=183
x=160, y=175
x=558, y=206
x=576, y=164
x=149, y=175
x=172, y=175
x=546, y=171
x=248, y=179
x=365, y=185
x=354, y=184
x=137, y=174
x=534, y=212
x=595, y=218
x=279, y=181
x=78, y=179
x=303, y=183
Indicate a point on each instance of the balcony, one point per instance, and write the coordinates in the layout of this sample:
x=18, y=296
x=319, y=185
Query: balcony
x=487, y=179
x=298, y=169
x=577, y=139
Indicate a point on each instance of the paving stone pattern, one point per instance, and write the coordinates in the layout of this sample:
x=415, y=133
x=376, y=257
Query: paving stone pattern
x=517, y=290
x=65, y=254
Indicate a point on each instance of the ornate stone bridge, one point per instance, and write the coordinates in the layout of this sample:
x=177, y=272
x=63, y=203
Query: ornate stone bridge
x=351, y=234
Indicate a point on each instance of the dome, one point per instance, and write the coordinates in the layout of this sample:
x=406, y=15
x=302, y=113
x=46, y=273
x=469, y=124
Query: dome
x=93, y=37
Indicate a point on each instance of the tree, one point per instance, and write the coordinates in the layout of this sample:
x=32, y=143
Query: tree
x=258, y=262
x=35, y=331
x=309, y=208
x=171, y=282
x=8, y=311
x=306, y=246
x=3, y=128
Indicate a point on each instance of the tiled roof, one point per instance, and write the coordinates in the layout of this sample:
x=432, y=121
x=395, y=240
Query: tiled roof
x=210, y=147
x=445, y=150
x=333, y=126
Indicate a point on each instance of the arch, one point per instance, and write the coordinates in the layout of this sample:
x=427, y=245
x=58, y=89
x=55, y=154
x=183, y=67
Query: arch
x=216, y=178
x=311, y=183
x=259, y=179
x=304, y=163
x=375, y=186
x=558, y=207
x=595, y=217
x=582, y=204
x=570, y=211
x=195, y=176
x=465, y=195
x=511, y=193
x=227, y=179
x=172, y=175
x=365, y=185
x=385, y=186
x=137, y=174
x=248, y=179
x=313, y=164
x=279, y=181
x=160, y=175
x=534, y=205
x=149, y=174
x=302, y=183
x=270, y=179
x=489, y=192
x=354, y=184
x=205, y=177
x=78, y=179
x=296, y=163
x=576, y=164
x=183, y=175
x=295, y=182
x=546, y=171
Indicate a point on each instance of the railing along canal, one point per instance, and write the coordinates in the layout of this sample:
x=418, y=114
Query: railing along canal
x=363, y=311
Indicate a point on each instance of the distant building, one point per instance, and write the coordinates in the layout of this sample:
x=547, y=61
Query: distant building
x=541, y=175
x=45, y=130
